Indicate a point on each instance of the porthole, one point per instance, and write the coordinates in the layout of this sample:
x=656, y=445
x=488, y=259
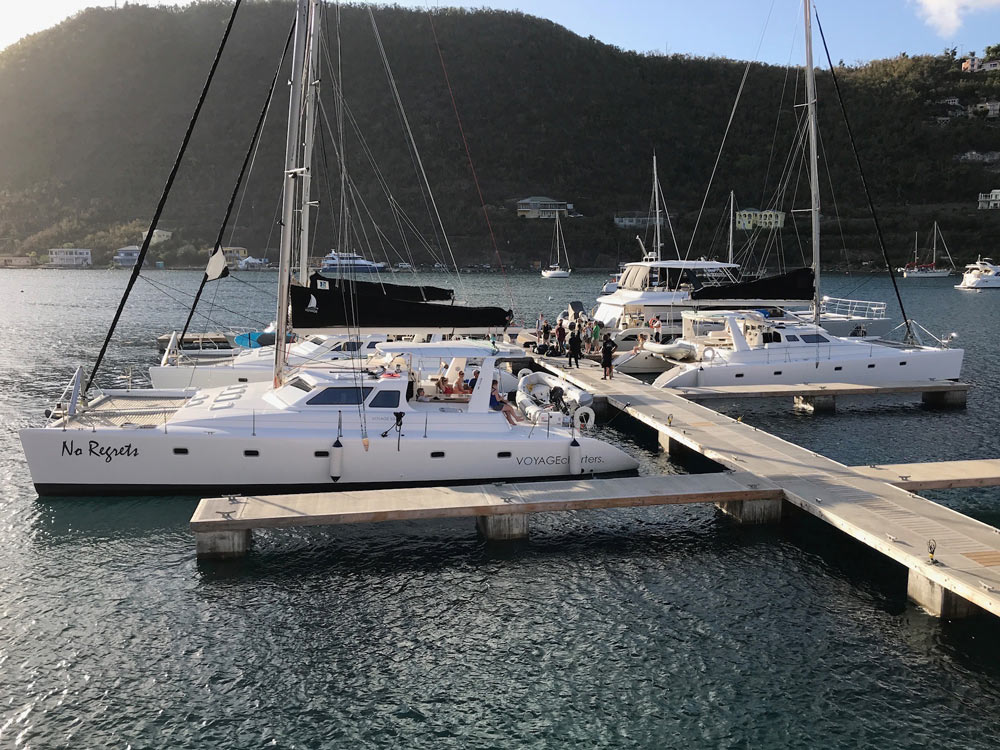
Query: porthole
x=437, y=454
x=251, y=454
x=180, y=451
x=871, y=366
x=777, y=372
x=503, y=454
x=322, y=454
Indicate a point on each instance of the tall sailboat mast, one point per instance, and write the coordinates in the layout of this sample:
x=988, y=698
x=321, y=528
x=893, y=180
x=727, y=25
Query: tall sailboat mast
x=732, y=209
x=656, y=201
x=813, y=158
x=293, y=172
x=311, y=88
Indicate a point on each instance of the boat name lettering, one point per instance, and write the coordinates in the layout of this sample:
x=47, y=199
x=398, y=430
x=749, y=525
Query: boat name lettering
x=94, y=448
x=555, y=460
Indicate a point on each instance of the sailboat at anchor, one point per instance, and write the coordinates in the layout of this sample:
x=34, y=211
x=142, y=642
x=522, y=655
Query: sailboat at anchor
x=555, y=270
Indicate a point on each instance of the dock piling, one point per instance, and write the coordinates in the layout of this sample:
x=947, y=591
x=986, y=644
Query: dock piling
x=935, y=598
x=816, y=404
x=222, y=544
x=503, y=528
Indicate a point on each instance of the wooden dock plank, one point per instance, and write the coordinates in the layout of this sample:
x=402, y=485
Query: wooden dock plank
x=324, y=508
x=814, y=389
x=892, y=520
x=937, y=475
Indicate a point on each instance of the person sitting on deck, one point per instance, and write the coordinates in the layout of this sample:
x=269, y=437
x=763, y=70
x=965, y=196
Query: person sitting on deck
x=499, y=403
x=640, y=344
x=473, y=380
x=422, y=395
x=443, y=387
x=459, y=386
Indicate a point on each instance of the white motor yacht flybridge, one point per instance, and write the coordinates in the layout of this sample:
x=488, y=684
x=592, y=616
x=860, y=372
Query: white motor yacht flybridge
x=721, y=348
x=983, y=274
x=313, y=429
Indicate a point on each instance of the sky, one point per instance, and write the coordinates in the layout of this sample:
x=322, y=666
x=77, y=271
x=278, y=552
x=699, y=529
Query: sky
x=856, y=30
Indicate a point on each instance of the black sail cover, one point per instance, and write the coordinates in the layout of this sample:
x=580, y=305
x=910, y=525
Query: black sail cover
x=336, y=303
x=793, y=285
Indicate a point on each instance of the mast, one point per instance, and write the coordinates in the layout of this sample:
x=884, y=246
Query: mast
x=656, y=201
x=934, y=246
x=292, y=173
x=915, y=248
x=813, y=158
x=311, y=86
x=732, y=205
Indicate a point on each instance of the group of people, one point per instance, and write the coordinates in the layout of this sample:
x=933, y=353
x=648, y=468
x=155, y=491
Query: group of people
x=560, y=340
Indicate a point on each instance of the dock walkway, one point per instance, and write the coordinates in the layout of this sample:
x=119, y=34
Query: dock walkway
x=892, y=520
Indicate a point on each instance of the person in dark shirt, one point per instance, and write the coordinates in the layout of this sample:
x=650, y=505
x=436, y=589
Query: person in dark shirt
x=560, y=338
x=608, y=348
x=575, y=349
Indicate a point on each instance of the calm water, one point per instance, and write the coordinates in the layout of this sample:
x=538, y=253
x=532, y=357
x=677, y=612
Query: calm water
x=651, y=628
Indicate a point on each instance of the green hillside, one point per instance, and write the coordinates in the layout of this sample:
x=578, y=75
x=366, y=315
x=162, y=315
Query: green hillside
x=95, y=109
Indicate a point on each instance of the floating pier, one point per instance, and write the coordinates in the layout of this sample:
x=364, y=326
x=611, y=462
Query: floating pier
x=222, y=526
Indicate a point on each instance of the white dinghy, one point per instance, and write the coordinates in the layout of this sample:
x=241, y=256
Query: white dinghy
x=542, y=396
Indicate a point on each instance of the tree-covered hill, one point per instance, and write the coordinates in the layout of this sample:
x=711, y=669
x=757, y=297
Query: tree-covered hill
x=95, y=108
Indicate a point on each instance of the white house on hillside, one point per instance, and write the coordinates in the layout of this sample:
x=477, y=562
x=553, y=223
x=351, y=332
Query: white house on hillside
x=541, y=207
x=70, y=257
x=990, y=199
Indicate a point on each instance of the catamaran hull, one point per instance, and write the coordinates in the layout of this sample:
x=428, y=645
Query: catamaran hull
x=893, y=366
x=182, y=461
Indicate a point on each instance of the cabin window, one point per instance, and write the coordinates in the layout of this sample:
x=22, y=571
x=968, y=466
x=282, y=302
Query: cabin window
x=242, y=380
x=838, y=368
x=180, y=451
x=777, y=372
x=902, y=364
x=790, y=337
x=503, y=454
x=251, y=453
x=814, y=338
x=340, y=396
x=321, y=454
x=871, y=366
x=300, y=384
x=385, y=400
x=437, y=454
x=771, y=337
x=739, y=374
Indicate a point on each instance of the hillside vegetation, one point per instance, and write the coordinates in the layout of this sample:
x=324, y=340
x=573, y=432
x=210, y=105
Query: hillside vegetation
x=95, y=109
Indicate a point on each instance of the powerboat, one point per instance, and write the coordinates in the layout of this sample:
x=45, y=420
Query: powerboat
x=983, y=274
x=348, y=264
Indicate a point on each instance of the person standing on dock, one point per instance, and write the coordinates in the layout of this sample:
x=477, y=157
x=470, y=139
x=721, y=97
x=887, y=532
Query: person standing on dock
x=608, y=348
x=560, y=338
x=595, y=337
x=575, y=349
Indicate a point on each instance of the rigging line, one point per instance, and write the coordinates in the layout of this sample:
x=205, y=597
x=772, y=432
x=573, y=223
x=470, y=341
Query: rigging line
x=864, y=183
x=833, y=196
x=729, y=124
x=411, y=146
x=137, y=268
x=161, y=286
x=409, y=133
x=777, y=119
x=239, y=179
x=472, y=167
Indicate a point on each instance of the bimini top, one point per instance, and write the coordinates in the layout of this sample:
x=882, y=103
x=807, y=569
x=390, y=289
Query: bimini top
x=446, y=349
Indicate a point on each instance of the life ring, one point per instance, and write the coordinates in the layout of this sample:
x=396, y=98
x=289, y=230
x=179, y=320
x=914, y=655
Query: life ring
x=584, y=418
x=390, y=374
x=523, y=372
x=704, y=354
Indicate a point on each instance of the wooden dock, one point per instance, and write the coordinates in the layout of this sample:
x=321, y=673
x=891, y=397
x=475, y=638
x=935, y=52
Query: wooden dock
x=937, y=475
x=222, y=525
x=966, y=564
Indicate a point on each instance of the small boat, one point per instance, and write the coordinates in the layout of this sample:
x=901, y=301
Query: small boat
x=541, y=396
x=555, y=270
x=348, y=264
x=917, y=270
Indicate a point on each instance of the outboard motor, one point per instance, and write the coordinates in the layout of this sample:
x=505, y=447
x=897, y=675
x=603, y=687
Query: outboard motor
x=557, y=400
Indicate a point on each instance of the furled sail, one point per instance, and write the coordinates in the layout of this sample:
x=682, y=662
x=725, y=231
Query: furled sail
x=793, y=285
x=344, y=303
